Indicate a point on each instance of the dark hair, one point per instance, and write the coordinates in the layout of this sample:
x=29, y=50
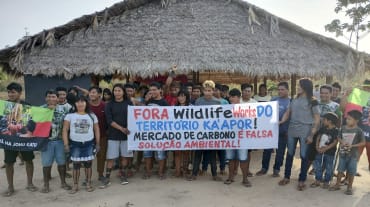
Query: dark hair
x=95, y=88
x=337, y=85
x=355, y=114
x=14, y=86
x=327, y=87
x=199, y=87
x=129, y=85
x=51, y=92
x=106, y=91
x=121, y=86
x=307, y=87
x=262, y=85
x=284, y=84
x=218, y=86
x=143, y=87
x=81, y=98
x=246, y=85
x=73, y=89
x=31, y=125
x=155, y=84
x=225, y=88
x=331, y=117
x=235, y=92
x=186, y=94
x=60, y=88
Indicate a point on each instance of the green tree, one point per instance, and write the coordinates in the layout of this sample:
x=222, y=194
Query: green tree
x=358, y=26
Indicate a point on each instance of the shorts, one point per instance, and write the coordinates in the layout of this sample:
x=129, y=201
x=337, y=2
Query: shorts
x=347, y=163
x=82, y=151
x=116, y=148
x=159, y=155
x=54, y=151
x=237, y=154
x=11, y=156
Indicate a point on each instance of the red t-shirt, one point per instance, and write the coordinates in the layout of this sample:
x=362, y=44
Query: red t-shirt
x=171, y=100
x=99, y=111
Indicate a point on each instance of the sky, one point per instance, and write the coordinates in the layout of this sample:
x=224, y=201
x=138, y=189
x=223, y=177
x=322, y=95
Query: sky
x=32, y=16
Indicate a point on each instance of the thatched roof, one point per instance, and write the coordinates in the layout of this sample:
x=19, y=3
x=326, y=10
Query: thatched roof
x=144, y=37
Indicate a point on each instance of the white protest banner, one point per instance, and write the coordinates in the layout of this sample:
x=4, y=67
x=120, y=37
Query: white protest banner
x=238, y=126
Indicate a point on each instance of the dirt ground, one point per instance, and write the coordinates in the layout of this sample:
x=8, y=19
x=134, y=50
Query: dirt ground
x=179, y=192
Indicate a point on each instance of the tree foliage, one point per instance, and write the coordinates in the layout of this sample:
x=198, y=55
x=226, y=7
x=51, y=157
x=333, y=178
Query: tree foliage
x=358, y=12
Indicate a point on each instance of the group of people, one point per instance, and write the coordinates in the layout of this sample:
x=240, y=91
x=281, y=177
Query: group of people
x=94, y=124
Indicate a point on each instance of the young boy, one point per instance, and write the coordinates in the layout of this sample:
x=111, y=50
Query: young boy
x=350, y=138
x=326, y=146
x=237, y=155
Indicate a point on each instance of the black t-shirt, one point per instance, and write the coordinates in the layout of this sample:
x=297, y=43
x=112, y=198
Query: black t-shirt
x=117, y=112
x=327, y=137
x=160, y=102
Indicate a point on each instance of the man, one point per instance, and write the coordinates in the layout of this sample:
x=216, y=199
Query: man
x=337, y=88
x=97, y=106
x=55, y=149
x=284, y=100
x=155, y=99
x=247, y=98
x=196, y=93
x=206, y=99
x=262, y=95
x=14, y=95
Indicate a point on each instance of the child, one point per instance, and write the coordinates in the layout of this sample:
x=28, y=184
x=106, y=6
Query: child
x=350, y=139
x=326, y=146
x=237, y=155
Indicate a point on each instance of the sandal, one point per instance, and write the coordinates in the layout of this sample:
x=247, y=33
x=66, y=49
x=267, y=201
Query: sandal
x=247, y=184
x=90, y=188
x=284, y=181
x=191, y=178
x=315, y=184
x=8, y=193
x=216, y=178
x=261, y=172
x=65, y=186
x=334, y=188
x=145, y=177
x=74, y=190
x=228, y=181
x=249, y=174
x=45, y=190
x=348, y=191
x=32, y=188
x=301, y=186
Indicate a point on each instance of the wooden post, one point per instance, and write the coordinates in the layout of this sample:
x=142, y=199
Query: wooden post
x=255, y=83
x=293, y=82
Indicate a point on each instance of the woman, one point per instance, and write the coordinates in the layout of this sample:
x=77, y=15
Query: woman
x=183, y=99
x=304, y=122
x=82, y=128
x=107, y=95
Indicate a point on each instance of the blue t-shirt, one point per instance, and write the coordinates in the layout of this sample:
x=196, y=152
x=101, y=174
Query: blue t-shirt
x=283, y=106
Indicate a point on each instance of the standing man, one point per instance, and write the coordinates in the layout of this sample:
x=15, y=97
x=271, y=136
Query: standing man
x=14, y=95
x=337, y=88
x=247, y=98
x=97, y=106
x=284, y=100
x=206, y=99
x=55, y=149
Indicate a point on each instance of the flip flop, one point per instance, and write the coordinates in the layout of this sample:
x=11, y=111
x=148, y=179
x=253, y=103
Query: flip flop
x=31, y=188
x=45, y=190
x=334, y=188
x=301, y=186
x=228, y=181
x=247, y=184
x=73, y=191
x=90, y=188
x=8, y=193
x=348, y=192
x=216, y=178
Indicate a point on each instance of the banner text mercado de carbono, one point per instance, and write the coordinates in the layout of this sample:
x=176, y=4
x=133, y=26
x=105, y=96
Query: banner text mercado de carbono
x=238, y=126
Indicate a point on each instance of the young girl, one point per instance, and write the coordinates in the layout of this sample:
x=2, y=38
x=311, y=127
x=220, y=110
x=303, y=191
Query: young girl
x=183, y=99
x=83, y=129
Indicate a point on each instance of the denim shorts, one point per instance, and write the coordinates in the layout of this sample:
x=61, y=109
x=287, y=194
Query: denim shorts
x=117, y=148
x=159, y=155
x=347, y=163
x=82, y=151
x=54, y=151
x=237, y=154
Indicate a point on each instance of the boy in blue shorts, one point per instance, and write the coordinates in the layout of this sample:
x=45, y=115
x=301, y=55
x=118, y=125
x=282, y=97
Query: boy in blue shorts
x=237, y=155
x=351, y=138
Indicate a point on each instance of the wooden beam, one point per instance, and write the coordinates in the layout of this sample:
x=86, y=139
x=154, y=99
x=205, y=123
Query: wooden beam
x=293, y=83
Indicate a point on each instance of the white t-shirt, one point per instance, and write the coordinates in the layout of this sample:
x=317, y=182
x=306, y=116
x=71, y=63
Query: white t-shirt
x=81, y=127
x=251, y=100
